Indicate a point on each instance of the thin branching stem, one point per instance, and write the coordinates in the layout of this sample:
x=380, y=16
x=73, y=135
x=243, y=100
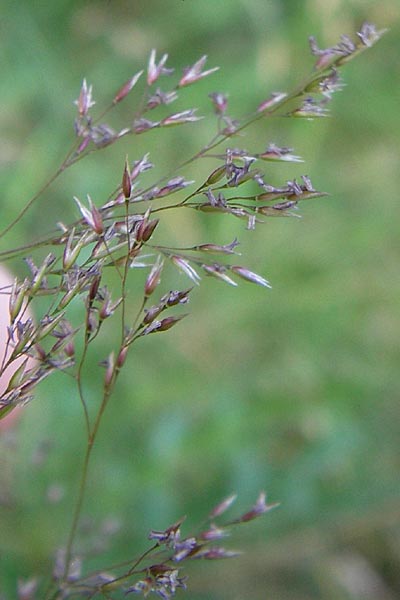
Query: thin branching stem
x=114, y=236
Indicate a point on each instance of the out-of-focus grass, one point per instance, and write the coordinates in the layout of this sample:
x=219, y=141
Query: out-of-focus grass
x=293, y=390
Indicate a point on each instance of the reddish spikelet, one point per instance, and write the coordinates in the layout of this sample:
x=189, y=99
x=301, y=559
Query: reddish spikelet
x=250, y=276
x=84, y=101
x=69, y=349
x=186, y=116
x=16, y=299
x=126, y=181
x=219, y=271
x=154, y=71
x=214, y=533
x=126, y=88
x=94, y=287
x=108, y=307
x=215, y=248
x=140, y=166
x=83, y=145
x=259, y=508
x=121, y=358
x=195, y=72
x=110, y=369
x=152, y=313
x=163, y=325
x=222, y=506
x=169, y=322
x=92, y=216
x=174, y=184
x=273, y=100
x=216, y=553
x=215, y=176
x=154, y=277
x=149, y=229
x=220, y=102
x=184, y=266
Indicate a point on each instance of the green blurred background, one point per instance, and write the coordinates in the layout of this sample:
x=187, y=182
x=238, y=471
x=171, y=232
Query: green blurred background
x=294, y=390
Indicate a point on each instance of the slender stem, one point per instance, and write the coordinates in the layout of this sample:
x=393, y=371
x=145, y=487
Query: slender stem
x=126, y=267
x=64, y=165
x=132, y=570
x=84, y=475
x=78, y=508
x=31, y=201
x=120, y=565
x=142, y=557
x=80, y=389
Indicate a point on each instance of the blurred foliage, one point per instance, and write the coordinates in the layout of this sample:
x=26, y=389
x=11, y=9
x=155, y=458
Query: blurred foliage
x=294, y=390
